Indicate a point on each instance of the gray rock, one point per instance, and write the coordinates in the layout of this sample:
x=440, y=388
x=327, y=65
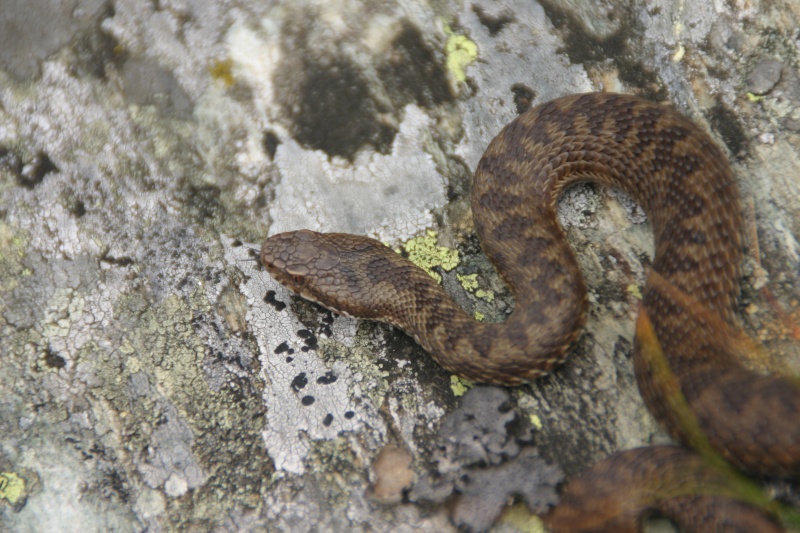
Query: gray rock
x=764, y=76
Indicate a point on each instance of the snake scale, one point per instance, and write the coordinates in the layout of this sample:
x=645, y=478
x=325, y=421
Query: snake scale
x=673, y=169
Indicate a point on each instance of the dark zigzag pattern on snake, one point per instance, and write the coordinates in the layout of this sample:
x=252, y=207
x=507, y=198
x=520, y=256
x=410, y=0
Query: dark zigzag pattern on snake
x=673, y=169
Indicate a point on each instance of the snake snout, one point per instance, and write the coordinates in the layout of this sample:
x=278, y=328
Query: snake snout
x=304, y=261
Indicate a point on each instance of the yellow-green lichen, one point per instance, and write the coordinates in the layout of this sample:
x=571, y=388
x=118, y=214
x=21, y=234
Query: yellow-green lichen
x=222, y=70
x=460, y=52
x=12, y=251
x=426, y=254
x=754, y=97
x=535, y=420
x=522, y=519
x=12, y=487
x=459, y=386
x=634, y=290
x=485, y=295
x=479, y=316
x=680, y=52
x=470, y=283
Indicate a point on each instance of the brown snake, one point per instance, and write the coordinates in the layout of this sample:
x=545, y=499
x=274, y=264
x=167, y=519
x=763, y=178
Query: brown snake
x=674, y=170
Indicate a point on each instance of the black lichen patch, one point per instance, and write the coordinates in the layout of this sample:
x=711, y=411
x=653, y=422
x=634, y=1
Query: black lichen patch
x=308, y=400
x=147, y=83
x=333, y=105
x=30, y=33
x=327, y=379
x=328, y=420
x=494, y=24
x=276, y=304
x=413, y=72
x=523, y=97
x=10, y=161
x=95, y=48
x=270, y=143
x=299, y=382
x=33, y=173
x=122, y=261
x=203, y=202
x=53, y=360
x=585, y=48
x=76, y=207
x=332, y=109
x=309, y=340
x=724, y=122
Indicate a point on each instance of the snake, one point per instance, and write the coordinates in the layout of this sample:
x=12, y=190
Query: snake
x=672, y=168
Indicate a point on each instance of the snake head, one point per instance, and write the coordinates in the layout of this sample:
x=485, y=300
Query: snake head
x=318, y=266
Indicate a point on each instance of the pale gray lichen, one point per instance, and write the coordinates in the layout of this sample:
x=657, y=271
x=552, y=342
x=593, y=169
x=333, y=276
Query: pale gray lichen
x=306, y=399
x=486, y=463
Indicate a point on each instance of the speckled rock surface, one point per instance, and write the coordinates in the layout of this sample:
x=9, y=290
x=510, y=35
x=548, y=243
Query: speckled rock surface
x=152, y=378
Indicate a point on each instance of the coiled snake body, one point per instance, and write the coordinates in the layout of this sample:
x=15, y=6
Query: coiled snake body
x=682, y=180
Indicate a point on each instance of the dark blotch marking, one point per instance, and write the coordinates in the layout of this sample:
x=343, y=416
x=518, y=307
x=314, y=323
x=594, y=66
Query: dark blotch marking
x=534, y=249
x=518, y=338
x=412, y=71
x=495, y=166
x=512, y=228
x=282, y=347
x=327, y=420
x=483, y=345
x=349, y=414
x=500, y=201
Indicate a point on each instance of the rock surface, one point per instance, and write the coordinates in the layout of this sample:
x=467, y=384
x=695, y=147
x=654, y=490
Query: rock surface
x=153, y=378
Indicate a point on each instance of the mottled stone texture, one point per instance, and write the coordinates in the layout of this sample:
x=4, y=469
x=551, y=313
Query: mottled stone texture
x=153, y=378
